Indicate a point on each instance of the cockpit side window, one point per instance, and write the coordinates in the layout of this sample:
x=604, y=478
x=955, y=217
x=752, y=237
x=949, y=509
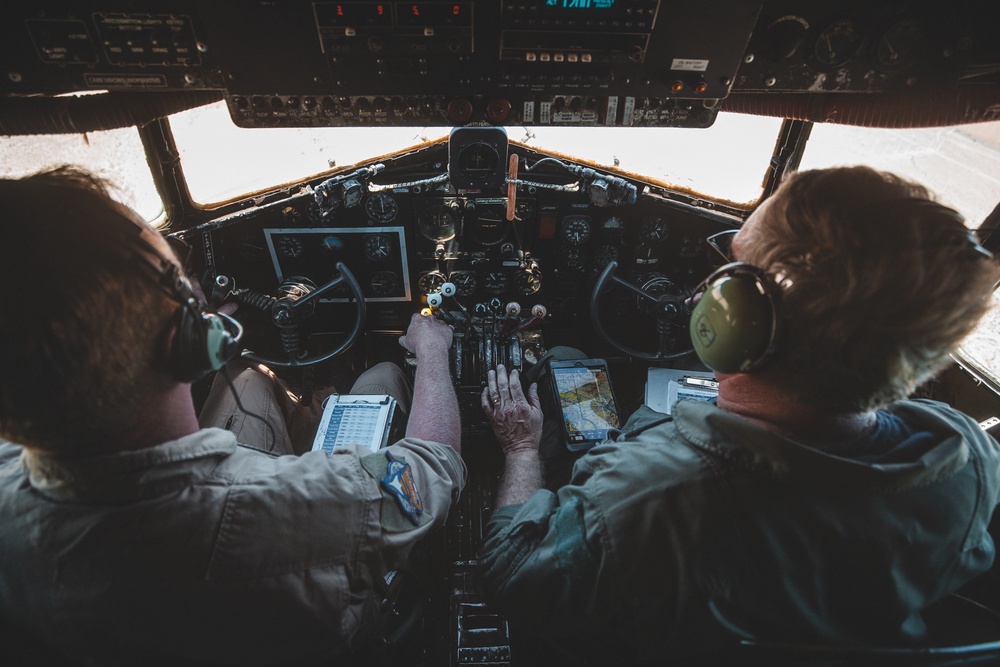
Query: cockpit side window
x=983, y=345
x=116, y=155
x=959, y=164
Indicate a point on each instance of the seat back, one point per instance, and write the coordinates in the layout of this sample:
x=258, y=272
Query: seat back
x=960, y=631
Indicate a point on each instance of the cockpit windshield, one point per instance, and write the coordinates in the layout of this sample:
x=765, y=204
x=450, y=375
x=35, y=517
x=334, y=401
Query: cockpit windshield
x=221, y=161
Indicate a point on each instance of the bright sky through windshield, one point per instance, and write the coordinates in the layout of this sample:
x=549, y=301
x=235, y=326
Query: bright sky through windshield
x=116, y=155
x=222, y=161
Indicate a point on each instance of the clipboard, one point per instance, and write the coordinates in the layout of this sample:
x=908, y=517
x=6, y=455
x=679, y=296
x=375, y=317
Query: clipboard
x=362, y=420
x=664, y=387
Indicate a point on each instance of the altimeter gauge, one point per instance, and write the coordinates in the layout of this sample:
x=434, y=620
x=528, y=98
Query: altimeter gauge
x=465, y=282
x=431, y=282
x=381, y=208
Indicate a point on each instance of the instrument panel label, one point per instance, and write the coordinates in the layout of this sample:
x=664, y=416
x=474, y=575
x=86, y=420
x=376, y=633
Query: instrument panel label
x=689, y=65
x=125, y=80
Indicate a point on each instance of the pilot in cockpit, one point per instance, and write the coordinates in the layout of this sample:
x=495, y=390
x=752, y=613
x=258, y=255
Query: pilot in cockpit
x=811, y=502
x=132, y=535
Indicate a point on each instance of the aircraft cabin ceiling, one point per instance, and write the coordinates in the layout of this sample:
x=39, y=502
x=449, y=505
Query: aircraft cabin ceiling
x=297, y=63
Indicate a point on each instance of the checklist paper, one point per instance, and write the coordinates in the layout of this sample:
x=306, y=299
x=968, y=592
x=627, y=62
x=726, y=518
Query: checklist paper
x=664, y=387
x=361, y=420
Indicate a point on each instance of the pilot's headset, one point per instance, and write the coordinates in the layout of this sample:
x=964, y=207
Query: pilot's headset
x=204, y=341
x=734, y=325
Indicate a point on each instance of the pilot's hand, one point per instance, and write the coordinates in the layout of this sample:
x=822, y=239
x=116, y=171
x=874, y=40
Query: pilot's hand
x=516, y=418
x=426, y=336
x=227, y=308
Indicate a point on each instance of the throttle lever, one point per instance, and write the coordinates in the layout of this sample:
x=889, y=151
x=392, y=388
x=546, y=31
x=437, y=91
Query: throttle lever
x=513, y=309
x=538, y=313
x=449, y=290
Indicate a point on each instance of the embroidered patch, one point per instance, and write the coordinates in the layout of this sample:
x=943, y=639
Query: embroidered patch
x=399, y=482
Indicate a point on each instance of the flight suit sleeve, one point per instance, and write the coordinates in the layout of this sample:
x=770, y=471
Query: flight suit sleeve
x=8, y=450
x=539, y=565
x=419, y=481
x=10, y=454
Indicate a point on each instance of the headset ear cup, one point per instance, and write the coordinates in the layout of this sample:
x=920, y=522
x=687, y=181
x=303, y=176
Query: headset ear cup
x=203, y=343
x=188, y=352
x=221, y=344
x=733, y=326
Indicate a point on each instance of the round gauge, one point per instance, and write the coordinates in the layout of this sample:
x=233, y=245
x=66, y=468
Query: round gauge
x=430, y=282
x=612, y=225
x=572, y=258
x=478, y=161
x=464, y=281
x=290, y=246
x=899, y=45
x=838, y=43
x=528, y=281
x=384, y=283
x=332, y=244
x=495, y=282
x=576, y=230
x=785, y=35
x=653, y=229
x=523, y=209
x=377, y=247
x=646, y=255
x=437, y=223
x=381, y=207
x=490, y=226
x=605, y=255
x=251, y=248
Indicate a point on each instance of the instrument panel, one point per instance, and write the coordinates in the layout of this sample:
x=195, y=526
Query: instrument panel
x=866, y=47
x=553, y=246
x=512, y=285
x=377, y=256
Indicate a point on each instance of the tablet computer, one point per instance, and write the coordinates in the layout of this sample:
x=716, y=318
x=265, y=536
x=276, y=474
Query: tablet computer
x=586, y=401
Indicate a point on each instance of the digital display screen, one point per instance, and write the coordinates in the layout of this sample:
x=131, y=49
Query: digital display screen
x=434, y=14
x=579, y=4
x=353, y=14
x=587, y=404
x=413, y=14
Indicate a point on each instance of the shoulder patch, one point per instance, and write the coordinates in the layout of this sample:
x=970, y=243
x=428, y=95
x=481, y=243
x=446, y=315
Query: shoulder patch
x=392, y=517
x=399, y=482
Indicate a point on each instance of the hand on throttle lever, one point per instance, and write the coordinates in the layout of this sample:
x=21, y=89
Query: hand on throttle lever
x=516, y=419
x=427, y=336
